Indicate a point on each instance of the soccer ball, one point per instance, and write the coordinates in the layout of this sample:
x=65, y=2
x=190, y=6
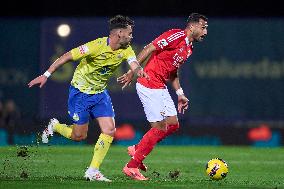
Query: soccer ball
x=217, y=169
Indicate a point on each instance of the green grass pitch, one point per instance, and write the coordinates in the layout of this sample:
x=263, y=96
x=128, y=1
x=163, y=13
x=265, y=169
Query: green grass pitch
x=64, y=166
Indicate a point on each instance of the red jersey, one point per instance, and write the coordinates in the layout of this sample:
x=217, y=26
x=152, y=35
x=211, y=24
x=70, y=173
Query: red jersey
x=172, y=49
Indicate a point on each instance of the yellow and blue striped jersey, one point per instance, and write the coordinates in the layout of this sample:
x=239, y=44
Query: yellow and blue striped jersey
x=97, y=64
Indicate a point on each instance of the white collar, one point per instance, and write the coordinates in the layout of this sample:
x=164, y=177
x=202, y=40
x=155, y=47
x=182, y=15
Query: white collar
x=188, y=42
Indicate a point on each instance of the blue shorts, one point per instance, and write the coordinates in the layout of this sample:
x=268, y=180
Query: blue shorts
x=81, y=105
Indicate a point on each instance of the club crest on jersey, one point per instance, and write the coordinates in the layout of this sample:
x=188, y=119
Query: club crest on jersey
x=83, y=49
x=162, y=43
x=75, y=117
x=120, y=56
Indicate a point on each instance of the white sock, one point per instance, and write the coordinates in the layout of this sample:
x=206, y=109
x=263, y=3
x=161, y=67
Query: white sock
x=92, y=169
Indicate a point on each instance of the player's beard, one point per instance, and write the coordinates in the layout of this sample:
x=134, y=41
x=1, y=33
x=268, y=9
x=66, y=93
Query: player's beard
x=124, y=45
x=196, y=37
x=199, y=39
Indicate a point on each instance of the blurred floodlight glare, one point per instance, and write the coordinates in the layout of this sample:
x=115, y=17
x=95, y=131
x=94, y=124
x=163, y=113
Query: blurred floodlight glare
x=63, y=30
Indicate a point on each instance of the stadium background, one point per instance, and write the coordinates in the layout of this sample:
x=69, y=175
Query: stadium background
x=234, y=79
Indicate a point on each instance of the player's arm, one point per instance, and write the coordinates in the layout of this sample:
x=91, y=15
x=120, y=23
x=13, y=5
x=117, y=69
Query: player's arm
x=137, y=69
x=75, y=54
x=182, y=100
x=161, y=43
x=41, y=80
x=145, y=53
x=126, y=78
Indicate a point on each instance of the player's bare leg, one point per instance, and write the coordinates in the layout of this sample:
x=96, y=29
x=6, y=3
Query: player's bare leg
x=79, y=132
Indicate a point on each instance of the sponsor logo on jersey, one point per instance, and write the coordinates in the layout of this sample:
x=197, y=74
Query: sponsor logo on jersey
x=177, y=60
x=83, y=49
x=162, y=43
x=104, y=70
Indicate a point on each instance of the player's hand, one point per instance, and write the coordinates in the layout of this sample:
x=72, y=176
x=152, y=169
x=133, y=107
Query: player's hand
x=126, y=79
x=141, y=73
x=182, y=104
x=41, y=80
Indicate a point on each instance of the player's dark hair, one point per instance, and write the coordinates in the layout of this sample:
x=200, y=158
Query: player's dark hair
x=194, y=17
x=120, y=21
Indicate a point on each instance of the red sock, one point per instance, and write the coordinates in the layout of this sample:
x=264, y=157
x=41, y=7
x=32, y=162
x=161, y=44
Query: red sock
x=170, y=130
x=133, y=163
x=145, y=146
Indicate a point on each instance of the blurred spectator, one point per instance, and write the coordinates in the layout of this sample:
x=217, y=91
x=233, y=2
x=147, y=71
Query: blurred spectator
x=11, y=117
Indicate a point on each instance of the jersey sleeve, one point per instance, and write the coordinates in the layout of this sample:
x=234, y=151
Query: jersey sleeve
x=130, y=55
x=84, y=50
x=168, y=39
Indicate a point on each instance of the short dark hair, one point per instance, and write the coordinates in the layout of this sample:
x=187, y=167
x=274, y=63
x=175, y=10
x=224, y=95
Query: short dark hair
x=120, y=21
x=194, y=17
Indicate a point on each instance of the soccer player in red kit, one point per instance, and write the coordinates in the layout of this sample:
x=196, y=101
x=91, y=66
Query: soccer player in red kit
x=167, y=53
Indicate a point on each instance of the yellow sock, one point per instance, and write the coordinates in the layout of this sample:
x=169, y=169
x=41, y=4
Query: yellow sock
x=100, y=150
x=64, y=130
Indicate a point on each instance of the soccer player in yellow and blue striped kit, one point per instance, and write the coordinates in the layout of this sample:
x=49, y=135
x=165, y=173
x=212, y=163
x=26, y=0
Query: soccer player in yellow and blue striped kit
x=88, y=96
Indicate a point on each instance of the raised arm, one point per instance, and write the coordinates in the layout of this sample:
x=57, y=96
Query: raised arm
x=41, y=80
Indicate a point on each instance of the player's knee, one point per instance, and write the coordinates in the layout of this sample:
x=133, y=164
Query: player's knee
x=78, y=136
x=109, y=131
